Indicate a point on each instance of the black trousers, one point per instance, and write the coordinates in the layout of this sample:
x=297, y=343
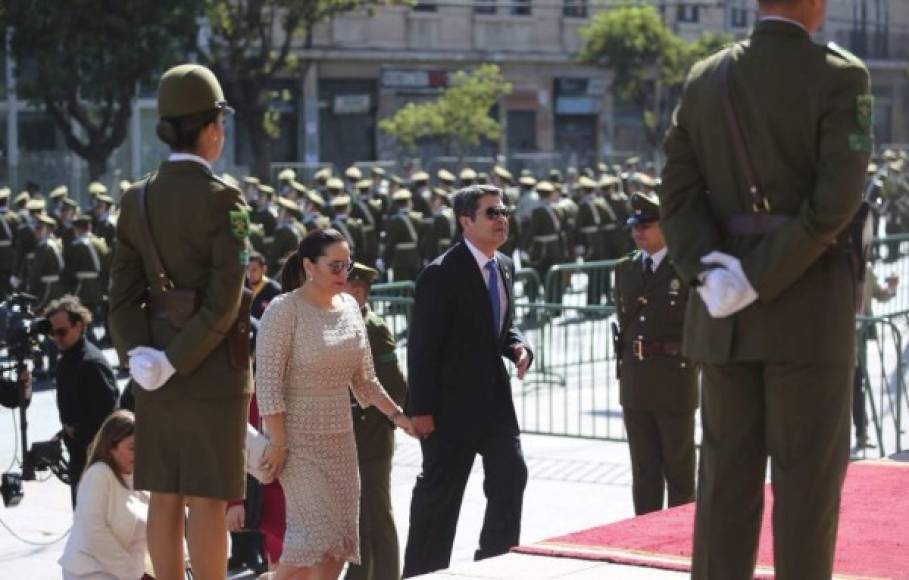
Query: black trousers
x=798, y=415
x=439, y=490
x=77, y=458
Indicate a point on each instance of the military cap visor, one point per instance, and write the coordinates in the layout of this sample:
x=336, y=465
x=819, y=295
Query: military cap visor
x=4, y=192
x=59, y=192
x=645, y=208
x=187, y=89
x=362, y=273
x=82, y=219
x=45, y=219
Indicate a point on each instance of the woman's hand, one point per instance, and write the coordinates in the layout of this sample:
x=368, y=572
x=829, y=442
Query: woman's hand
x=404, y=422
x=274, y=459
x=236, y=517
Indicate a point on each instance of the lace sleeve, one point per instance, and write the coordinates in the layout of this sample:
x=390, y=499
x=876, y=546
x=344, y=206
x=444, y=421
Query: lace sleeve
x=273, y=350
x=364, y=384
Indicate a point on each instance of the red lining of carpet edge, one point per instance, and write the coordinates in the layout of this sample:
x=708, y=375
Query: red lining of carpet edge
x=873, y=538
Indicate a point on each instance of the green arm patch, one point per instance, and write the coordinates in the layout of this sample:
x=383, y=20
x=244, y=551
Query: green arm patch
x=239, y=224
x=860, y=142
x=388, y=357
x=864, y=111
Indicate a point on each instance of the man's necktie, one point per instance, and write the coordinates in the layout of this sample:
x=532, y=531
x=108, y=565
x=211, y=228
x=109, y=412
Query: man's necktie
x=648, y=270
x=493, y=288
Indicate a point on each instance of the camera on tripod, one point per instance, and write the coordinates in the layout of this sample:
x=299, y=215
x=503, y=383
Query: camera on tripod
x=21, y=334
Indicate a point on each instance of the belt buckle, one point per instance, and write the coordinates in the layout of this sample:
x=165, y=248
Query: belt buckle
x=637, y=349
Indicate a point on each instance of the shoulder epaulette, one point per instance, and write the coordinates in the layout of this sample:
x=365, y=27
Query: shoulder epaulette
x=843, y=53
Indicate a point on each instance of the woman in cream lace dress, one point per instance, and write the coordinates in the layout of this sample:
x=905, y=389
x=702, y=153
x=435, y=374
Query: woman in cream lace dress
x=311, y=348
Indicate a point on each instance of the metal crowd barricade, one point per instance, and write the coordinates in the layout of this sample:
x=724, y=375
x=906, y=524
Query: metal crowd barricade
x=571, y=389
x=395, y=310
x=391, y=299
x=889, y=256
x=881, y=369
x=577, y=277
x=528, y=284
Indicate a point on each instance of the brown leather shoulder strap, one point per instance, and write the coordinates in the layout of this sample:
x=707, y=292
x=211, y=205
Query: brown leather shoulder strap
x=758, y=201
x=164, y=281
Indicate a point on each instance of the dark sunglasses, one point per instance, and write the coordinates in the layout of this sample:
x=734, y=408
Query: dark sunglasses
x=60, y=332
x=497, y=212
x=339, y=266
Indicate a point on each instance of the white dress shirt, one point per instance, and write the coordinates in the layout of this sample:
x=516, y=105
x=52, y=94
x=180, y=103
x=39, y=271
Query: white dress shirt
x=657, y=257
x=482, y=259
x=189, y=157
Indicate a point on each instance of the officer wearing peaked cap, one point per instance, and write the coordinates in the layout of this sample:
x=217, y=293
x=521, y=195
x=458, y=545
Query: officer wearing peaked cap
x=544, y=240
x=102, y=223
x=467, y=176
x=658, y=387
x=370, y=219
x=350, y=227
x=772, y=324
x=402, y=239
x=593, y=222
x=379, y=548
x=87, y=264
x=288, y=233
x=8, y=226
x=421, y=194
x=183, y=323
x=44, y=277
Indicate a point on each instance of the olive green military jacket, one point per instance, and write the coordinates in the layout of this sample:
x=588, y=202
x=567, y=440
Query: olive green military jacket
x=286, y=240
x=352, y=230
x=7, y=239
x=25, y=249
x=804, y=113
x=372, y=429
x=86, y=267
x=45, y=275
x=544, y=238
x=371, y=228
x=593, y=218
x=652, y=314
x=199, y=225
x=402, y=241
x=439, y=235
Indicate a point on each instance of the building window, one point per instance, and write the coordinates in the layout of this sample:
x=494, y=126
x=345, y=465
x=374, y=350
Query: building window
x=688, y=13
x=739, y=18
x=485, y=7
x=521, y=7
x=575, y=9
x=425, y=6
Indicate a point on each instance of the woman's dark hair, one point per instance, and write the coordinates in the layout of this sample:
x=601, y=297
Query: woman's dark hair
x=118, y=426
x=467, y=199
x=181, y=133
x=312, y=246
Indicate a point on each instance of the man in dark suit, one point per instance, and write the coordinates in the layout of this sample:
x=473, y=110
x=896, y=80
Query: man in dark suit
x=753, y=218
x=460, y=391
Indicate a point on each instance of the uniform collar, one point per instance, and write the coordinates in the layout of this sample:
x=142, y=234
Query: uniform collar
x=780, y=25
x=657, y=257
x=189, y=157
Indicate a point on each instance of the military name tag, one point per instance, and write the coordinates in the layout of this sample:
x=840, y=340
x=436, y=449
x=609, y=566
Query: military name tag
x=864, y=111
x=239, y=224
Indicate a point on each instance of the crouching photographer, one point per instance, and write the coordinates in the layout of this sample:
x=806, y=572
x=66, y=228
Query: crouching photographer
x=86, y=386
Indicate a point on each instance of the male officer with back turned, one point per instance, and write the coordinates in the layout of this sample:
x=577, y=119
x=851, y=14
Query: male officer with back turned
x=753, y=210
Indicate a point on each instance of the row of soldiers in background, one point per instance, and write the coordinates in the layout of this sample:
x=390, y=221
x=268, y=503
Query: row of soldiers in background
x=888, y=192
x=398, y=226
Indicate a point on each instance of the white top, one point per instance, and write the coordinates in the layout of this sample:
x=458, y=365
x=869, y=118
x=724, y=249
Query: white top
x=189, y=157
x=657, y=257
x=108, y=534
x=482, y=260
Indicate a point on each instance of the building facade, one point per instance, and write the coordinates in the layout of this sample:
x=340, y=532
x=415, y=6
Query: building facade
x=363, y=68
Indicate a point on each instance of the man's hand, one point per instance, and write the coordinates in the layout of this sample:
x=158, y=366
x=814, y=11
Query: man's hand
x=236, y=518
x=522, y=360
x=423, y=425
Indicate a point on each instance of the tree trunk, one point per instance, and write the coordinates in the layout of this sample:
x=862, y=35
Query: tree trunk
x=260, y=143
x=97, y=164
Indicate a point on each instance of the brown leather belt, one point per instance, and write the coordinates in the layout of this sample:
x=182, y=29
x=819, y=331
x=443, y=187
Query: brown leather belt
x=176, y=305
x=646, y=348
x=753, y=224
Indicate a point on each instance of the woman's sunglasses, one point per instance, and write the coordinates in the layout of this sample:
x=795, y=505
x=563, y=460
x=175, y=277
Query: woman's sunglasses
x=339, y=266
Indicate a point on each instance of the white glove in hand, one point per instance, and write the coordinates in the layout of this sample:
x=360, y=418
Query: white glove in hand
x=726, y=290
x=14, y=281
x=149, y=367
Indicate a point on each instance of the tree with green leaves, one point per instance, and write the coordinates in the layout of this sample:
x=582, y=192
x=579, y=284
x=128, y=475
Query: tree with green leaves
x=83, y=61
x=251, y=45
x=649, y=63
x=459, y=117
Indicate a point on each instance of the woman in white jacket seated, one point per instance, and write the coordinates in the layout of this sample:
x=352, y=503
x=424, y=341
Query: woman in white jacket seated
x=107, y=541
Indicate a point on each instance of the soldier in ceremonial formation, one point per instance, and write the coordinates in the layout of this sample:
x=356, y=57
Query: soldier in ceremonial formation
x=402, y=254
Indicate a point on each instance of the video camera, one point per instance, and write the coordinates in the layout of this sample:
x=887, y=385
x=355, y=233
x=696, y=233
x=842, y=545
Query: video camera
x=20, y=335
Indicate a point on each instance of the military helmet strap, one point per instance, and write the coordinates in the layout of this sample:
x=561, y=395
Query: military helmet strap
x=759, y=202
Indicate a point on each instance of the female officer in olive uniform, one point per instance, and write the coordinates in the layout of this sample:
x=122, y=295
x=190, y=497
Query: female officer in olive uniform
x=176, y=315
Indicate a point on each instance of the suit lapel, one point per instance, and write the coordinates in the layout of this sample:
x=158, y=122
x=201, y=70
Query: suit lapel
x=506, y=308
x=479, y=285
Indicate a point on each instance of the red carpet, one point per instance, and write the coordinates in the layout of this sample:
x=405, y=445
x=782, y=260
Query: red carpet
x=873, y=539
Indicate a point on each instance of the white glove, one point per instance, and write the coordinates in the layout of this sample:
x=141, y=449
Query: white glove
x=149, y=367
x=726, y=290
x=380, y=264
x=14, y=281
